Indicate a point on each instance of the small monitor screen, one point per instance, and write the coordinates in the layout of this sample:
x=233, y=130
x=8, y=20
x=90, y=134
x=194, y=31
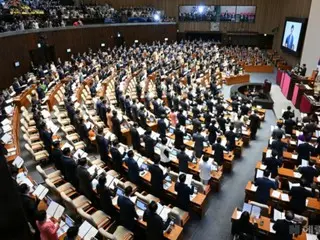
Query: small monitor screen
x=69, y=221
x=120, y=192
x=141, y=205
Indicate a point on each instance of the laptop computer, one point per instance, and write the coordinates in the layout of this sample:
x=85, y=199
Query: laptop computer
x=120, y=192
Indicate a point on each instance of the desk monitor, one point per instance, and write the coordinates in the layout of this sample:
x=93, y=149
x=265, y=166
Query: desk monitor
x=171, y=130
x=69, y=221
x=141, y=205
x=120, y=192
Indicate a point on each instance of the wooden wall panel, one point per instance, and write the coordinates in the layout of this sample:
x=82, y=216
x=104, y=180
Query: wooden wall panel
x=17, y=47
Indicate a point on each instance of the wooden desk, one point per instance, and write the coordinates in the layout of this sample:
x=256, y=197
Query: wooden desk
x=15, y=135
x=259, y=68
x=237, y=79
x=21, y=99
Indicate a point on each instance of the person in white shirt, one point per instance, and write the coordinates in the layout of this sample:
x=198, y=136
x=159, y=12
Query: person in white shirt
x=205, y=170
x=164, y=151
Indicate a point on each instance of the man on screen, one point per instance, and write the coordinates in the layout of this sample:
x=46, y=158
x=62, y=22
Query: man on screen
x=289, y=40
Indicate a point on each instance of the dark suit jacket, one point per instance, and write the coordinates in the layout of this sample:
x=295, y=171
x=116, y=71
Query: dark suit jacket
x=155, y=225
x=103, y=113
x=116, y=126
x=133, y=170
x=135, y=138
x=127, y=212
x=46, y=138
x=178, y=140
x=83, y=132
x=309, y=173
x=282, y=228
x=278, y=146
x=56, y=156
x=263, y=192
x=103, y=146
x=84, y=180
x=289, y=125
x=231, y=138
x=149, y=146
x=198, y=144
x=287, y=114
x=29, y=205
x=142, y=119
x=304, y=151
x=298, y=198
x=183, y=195
x=218, y=153
x=106, y=200
x=254, y=122
x=70, y=169
x=116, y=159
x=162, y=127
x=157, y=178
x=183, y=159
x=182, y=119
x=272, y=165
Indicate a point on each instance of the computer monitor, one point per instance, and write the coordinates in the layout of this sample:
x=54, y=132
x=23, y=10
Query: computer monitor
x=49, y=200
x=171, y=130
x=120, y=192
x=144, y=166
x=69, y=221
x=141, y=205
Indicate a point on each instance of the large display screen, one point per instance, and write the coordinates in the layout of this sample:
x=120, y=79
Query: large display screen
x=246, y=14
x=198, y=13
x=293, y=35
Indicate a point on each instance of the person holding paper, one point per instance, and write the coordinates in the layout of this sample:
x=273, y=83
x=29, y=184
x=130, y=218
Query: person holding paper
x=128, y=212
x=179, y=134
x=155, y=224
x=231, y=138
x=305, y=150
x=135, y=137
x=48, y=229
x=222, y=122
x=85, y=179
x=279, y=146
x=183, y=159
x=273, y=163
x=157, y=177
x=299, y=195
x=309, y=172
x=30, y=206
x=264, y=185
x=288, y=113
x=116, y=156
x=46, y=136
x=213, y=130
x=133, y=168
x=105, y=197
x=116, y=125
x=56, y=156
x=103, y=146
x=70, y=167
x=162, y=126
x=218, y=151
x=254, y=124
x=181, y=117
x=282, y=227
x=84, y=131
x=149, y=143
x=183, y=193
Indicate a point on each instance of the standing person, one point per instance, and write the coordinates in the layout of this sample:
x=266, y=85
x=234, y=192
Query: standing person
x=173, y=118
x=70, y=167
x=282, y=227
x=205, y=170
x=103, y=146
x=155, y=224
x=254, y=124
x=116, y=125
x=198, y=143
x=105, y=196
x=56, y=156
x=149, y=143
x=183, y=159
x=135, y=137
x=178, y=134
x=243, y=227
x=183, y=193
x=264, y=185
x=157, y=177
x=116, y=156
x=218, y=151
x=128, y=212
x=231, y=139
x=48, y=229
x=133, y=168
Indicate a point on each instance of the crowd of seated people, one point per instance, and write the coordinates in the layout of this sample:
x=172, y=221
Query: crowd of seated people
x=55, y=15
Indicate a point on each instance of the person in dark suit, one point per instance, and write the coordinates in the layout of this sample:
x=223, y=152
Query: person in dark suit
x=278, y=132
x=184, y=105
x=213, y=130
x=254, y=124
x=98, y=105
x=305, y=150
x=40, y=91
x=127, y=106
x=287, y=114
x=162, y=126
x=175, y=102
x=242, y=227
x=157, y=177
x=219, y=108
x=278, y=146
x=218, y=151
x=183, y=193
x=116, y=157
x=128, y=212
x=103, y=146
x=103, y=111
x=85, y=179
x=46, y=137
x=155, y=106
x=282, y=227
x=142, y=118
x=183, y=159
x=207, y=118
x=83, y=131
x=264, y=185
x=299, y=195
x=289, y=125
x=244, y=109
x=303, y=70
x=105, y=196
x=181, y=118
x=149, y=144
x=155, y=224
x=222, y=122
x=116, y=125
x=198, y=143
x=196, y=124
x=134, y=110
x=56, y=156
x=135, y=137
x=273, y=163
x=178, y=140
x=231, y=138
x=210, y=104
x=70, y=167
x=30, y=206
x=133, y=168
x=309, y=172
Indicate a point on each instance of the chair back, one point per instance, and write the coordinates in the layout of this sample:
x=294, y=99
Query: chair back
x=68, y=202
x=29, y=149
x=52, y=188
x=106, y=235
x=198, y=185
x=264, y=208
x=86, y=216
x=176, y=217
x=42, y=172
x=174, y=176
x=142, y=198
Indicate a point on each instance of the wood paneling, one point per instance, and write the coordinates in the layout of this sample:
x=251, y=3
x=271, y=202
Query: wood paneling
x=16, y=48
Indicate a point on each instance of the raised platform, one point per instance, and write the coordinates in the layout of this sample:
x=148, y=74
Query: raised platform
x=245, y=78
x=255, y=92
x=259, y=68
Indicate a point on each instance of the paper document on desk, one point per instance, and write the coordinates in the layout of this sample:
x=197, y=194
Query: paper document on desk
x=41, y=191
x=45, y=114
x=275, y=194
x=109, y=180
x=9, y=101
x=259, y=173
x=6, y=122
x=285, y=197
x=271, y=228
x=253, y=188
x=6, y=138
x=80, y=154
x=188, y=178
x=189, y=153
x=297, y=175
x=304, y=163
x=141, y=131
x=67, y=145
x=9, y=109
x=278, y=215
x=84, y=229
x=294, y=156
x=18, y=162
x=91, y=170
x=55, y=210
x=164, y=213
x=6, y=128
